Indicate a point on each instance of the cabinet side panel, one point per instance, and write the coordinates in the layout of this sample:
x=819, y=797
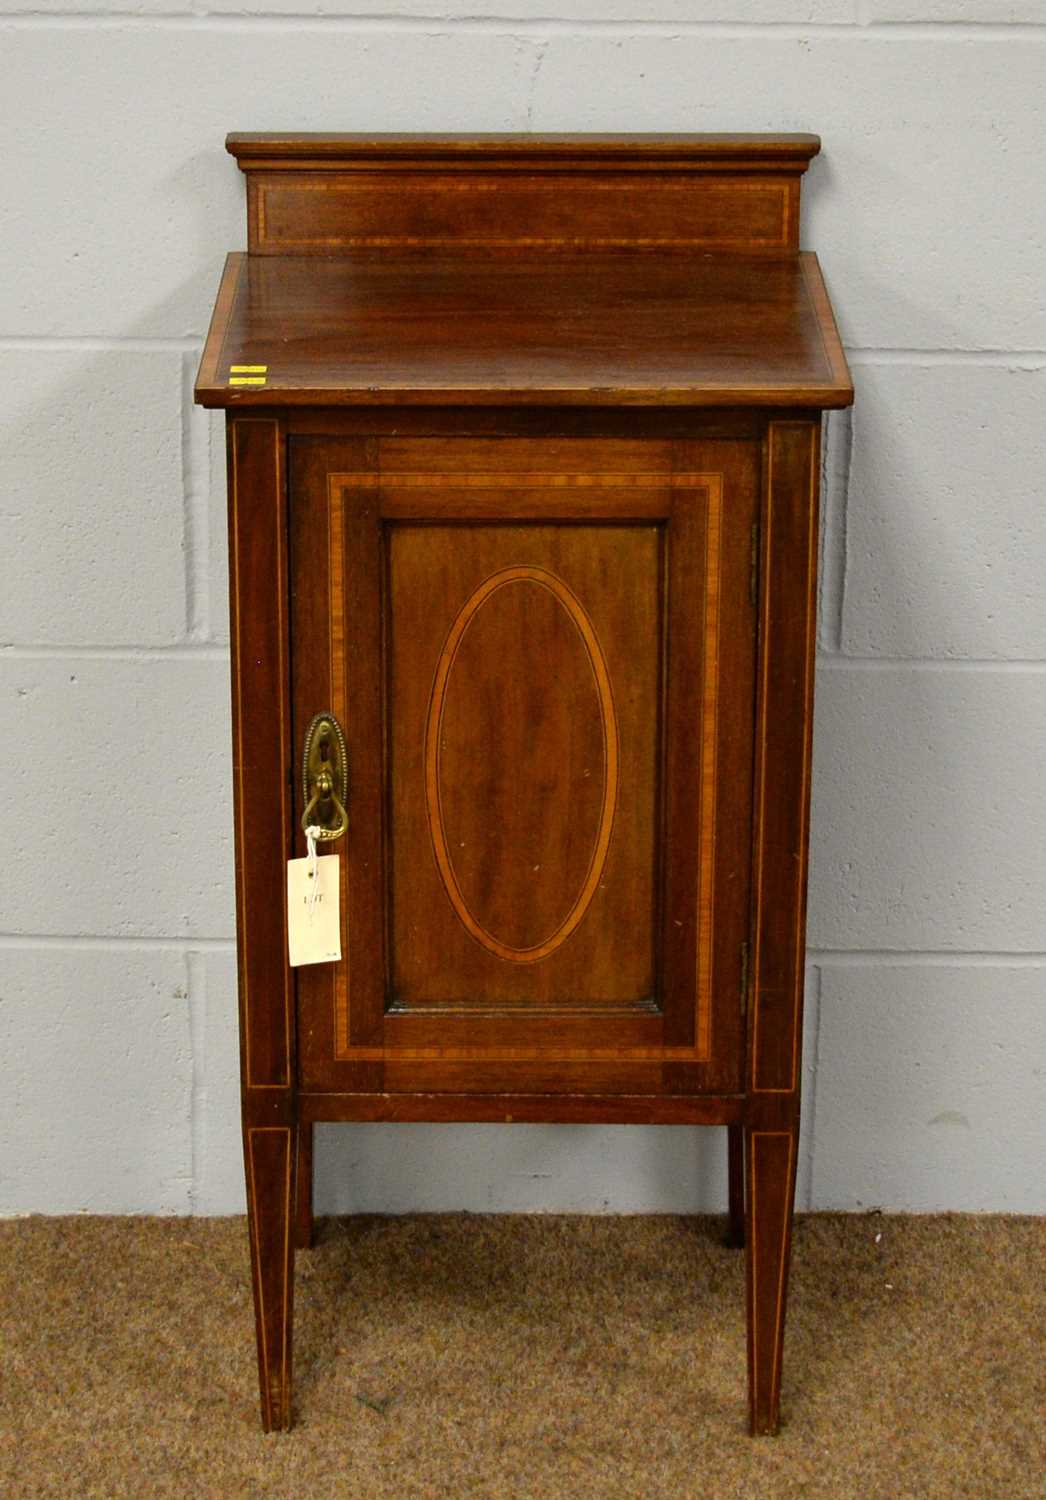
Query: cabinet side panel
x=783, y=738
x=261, y=746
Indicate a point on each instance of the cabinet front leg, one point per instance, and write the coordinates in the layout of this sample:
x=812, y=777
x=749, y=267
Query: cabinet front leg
x=270, y=1160
x=770, y=1164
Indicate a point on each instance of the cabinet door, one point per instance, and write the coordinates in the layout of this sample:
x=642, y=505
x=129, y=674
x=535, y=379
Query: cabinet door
x=542, y=656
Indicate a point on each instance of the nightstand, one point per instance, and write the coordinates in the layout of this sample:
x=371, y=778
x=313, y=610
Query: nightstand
x=523, y=438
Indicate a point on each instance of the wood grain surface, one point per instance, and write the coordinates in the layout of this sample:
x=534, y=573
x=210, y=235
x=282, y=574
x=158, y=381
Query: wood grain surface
x=538, y=327
x=531, y=681
x=524, y=440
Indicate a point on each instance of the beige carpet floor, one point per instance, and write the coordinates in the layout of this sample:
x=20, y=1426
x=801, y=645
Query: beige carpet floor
x=522, y=1357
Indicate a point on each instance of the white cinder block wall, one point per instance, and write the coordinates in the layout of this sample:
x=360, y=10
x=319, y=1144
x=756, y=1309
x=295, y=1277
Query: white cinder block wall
x=925, y=1036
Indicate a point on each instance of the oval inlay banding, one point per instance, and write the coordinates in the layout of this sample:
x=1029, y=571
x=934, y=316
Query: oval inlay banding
x=599, y=694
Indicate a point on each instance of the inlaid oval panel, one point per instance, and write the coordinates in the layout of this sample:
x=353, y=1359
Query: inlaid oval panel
x=521, y=764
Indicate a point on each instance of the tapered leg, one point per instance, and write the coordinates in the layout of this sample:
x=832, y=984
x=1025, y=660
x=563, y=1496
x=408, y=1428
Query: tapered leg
x=303, y=1212
x=736, y=1188
x=269, y=1155
x=770, y=1164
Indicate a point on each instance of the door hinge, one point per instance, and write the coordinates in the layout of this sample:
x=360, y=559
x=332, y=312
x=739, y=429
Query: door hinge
x=753, y=569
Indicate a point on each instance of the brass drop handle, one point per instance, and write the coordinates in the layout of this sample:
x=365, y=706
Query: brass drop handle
x=325, y=778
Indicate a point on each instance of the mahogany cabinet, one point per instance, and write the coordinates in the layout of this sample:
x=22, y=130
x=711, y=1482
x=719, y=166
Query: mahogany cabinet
x=523, y=440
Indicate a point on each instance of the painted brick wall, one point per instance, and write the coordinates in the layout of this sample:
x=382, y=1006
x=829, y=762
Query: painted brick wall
x=925, y=1037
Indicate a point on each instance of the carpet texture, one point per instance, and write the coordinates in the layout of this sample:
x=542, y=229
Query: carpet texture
x=454, y=1355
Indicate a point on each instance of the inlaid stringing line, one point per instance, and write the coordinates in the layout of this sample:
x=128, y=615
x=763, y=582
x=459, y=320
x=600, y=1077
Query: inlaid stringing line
x=336, y=634
x=709, y=745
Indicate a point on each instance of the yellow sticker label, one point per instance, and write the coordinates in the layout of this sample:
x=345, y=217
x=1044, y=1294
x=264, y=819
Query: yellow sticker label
x=248, y=369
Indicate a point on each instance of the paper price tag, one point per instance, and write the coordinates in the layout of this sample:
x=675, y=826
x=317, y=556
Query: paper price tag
x=313, y=910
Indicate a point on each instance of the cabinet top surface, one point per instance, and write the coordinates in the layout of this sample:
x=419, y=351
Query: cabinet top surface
x=589, y=327
x=643, y=270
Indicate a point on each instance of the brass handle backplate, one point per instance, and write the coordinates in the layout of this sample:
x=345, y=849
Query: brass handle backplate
x=325, y=778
